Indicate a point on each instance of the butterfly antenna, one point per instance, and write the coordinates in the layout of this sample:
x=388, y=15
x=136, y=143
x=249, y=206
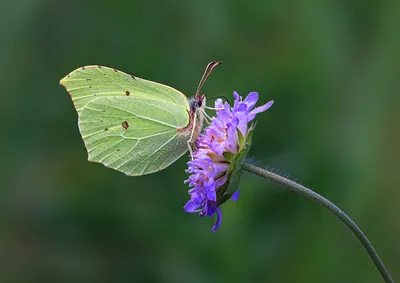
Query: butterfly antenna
x=206, y=73
x=216, y=97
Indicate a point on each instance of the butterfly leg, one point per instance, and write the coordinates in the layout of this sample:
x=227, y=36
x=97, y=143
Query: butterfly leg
x=190, y=149
x=189, y=142
x=206, y=116
x=211, y=108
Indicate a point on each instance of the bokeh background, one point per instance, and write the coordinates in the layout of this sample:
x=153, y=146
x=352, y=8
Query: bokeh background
x=332, y=68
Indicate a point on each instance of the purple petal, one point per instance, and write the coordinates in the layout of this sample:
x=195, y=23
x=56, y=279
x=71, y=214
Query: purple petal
x=219, y=103
x=242, y=107
x=227, y=107
x=251, y=100
x=230, y=143
x=259, y=109
x=242, y=127
x=236, y=95
x=210, y=208
x=219, y=219
x=220, y=168
x=235, y=196
x=234, y=122
x=219, y=182
x=217, y=148
x=262, y=108
x=223, y=116
x=209, y=187
x=190, y=206
x=237, y=101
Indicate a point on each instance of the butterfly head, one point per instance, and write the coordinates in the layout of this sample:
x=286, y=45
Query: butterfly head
x=197, y=102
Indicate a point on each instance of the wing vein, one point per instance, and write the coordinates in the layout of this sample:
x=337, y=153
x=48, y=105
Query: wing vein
x=149, y=136
x=129, y=151
x=145, y=118
x=107, y=149
x=152, y=154
x=162, y=90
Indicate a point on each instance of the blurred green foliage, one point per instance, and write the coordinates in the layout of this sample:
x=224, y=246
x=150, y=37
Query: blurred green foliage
x=332, y=68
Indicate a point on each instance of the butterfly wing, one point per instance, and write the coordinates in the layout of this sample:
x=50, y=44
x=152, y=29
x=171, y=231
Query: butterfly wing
x=90, y=82
x=139, y=132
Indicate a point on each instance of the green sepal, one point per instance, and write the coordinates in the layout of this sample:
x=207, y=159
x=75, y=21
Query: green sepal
x=241, y=140
x=229, y=156
x=250, y=133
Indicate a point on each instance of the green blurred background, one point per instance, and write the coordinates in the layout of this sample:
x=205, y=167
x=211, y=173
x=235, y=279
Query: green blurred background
x=332, y=68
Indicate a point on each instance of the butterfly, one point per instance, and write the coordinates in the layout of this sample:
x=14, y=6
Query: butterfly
x=133, y=125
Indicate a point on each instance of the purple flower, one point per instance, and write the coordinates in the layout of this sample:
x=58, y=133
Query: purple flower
x=219, y=151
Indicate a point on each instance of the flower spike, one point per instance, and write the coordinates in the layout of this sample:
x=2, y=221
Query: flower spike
x=219, y=152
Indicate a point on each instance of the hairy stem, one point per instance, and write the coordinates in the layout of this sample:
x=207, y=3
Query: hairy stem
x=297, y=188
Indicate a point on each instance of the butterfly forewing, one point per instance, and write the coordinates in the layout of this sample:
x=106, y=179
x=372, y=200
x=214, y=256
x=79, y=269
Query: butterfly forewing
x=128, y=124
x=90, y=82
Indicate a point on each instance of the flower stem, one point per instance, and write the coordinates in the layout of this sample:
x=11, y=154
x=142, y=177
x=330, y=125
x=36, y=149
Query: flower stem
x=297, y=188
